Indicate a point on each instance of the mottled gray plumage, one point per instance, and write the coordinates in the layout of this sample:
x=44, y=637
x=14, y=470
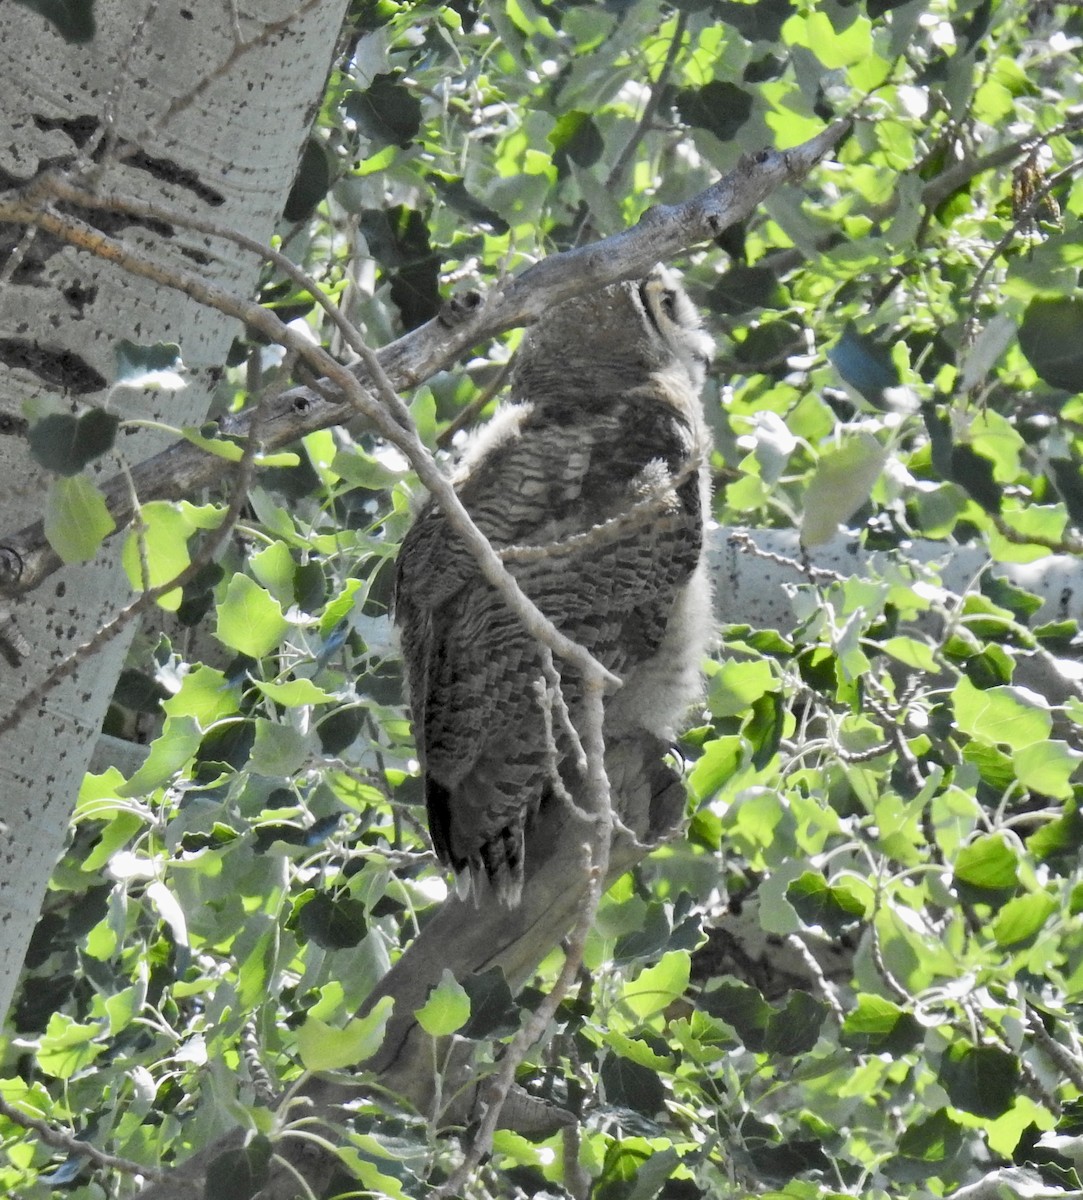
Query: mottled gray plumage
x=599, y=460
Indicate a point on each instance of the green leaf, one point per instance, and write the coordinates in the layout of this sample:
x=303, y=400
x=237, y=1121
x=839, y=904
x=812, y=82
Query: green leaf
x=154, y=366
x=989, y=862
x=720, y=107
x=637, y=1051
x=819, y=903
x=295, y=693
x=323, y=1047
x=840, y=486
x=493, y=1012
x=66, y=444
x=204, y=694
x=387, y=112
x=1021, y=918
x=447, y=1008
x=980, y=1079
x=273, y=566
x=1051, y=337
x=279, y=750
x=333, y=922
x=249, y=618
x=239, y=1174
x=159, y=543
x=1002, y=715
x=220, y=447
x=655, y=988
x=373, y=1180
x=632, y=1086
x=719, y=762
x=835, y=46
x=77, y=520
x=68, y=1047
x=1062, y=838
x=74, y=19
x=738, y=684
x=933, y=1139
x=169, y=752
x=879, y=1025
x=912, y=652
x=1047, y=768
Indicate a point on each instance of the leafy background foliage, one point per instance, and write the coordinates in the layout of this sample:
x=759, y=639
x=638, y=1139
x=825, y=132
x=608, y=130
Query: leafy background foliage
x=860, y=972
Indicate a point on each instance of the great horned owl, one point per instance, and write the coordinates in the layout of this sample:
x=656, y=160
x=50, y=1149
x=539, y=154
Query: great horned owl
x=593, y=483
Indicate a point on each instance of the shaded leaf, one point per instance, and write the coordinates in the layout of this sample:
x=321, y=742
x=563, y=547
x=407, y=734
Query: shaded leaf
x=761, y=21
x=387, y=112
x=575, y=136
x=310, y=184
x=933, y=1139
x=795, y=1028
x=157, y=365
x=1051, y=337
x=864, y=364
x=980, y=1079
x=742, y=1007
x=65, y=443
x=720, y=107
x=493, y=1012
x=239, y=1174
x=819, y=903
x=333, y=922
x=630, y=1085
x=73, y=19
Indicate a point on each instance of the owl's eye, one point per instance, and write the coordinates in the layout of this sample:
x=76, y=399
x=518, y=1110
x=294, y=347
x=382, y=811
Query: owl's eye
x=667, y=302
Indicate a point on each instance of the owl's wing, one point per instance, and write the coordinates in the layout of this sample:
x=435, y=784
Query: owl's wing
x=603, y=522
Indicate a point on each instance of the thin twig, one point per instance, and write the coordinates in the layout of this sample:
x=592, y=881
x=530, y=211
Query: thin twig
x=60, y=1139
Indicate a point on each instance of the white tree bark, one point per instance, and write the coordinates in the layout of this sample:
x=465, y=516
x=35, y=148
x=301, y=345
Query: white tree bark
x=168, y=105
x=752, y=589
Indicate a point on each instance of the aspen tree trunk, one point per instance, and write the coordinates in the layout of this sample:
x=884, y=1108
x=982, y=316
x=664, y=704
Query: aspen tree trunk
x=175, y=105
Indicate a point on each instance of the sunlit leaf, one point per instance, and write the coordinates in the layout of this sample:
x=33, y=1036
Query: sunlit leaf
x=841, y=484
x=76, y=518
x=249, y=618
x=447, y=1008
x=1022, y=917
x=324, y=1047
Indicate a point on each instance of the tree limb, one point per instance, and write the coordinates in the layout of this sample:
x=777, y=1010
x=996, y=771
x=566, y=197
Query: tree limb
x=26, y=558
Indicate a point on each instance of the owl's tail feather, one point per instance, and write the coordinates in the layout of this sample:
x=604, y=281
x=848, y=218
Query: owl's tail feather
x=500, y=867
